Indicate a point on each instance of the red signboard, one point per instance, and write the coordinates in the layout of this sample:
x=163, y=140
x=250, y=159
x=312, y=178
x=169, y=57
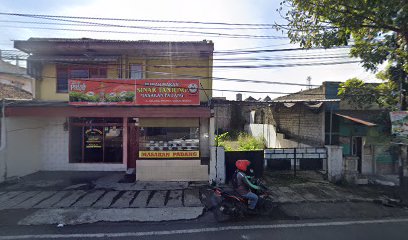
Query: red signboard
x=101, y=92
x=134, y=92
x=167, y=92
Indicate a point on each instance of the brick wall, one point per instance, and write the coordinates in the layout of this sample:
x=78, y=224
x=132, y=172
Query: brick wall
x=299, y=124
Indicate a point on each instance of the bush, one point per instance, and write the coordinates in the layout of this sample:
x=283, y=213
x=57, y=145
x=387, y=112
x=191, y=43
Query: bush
x=247, y=142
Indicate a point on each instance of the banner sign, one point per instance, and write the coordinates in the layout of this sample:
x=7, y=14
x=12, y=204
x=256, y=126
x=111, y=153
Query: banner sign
x=167, y=92
x=134, y=92
x=399, y=123
x=169, y=154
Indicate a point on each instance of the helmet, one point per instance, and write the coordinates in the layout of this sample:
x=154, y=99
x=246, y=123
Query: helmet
x=242, y=164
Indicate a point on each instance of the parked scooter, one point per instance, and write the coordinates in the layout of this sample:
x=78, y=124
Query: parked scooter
x=227, y=204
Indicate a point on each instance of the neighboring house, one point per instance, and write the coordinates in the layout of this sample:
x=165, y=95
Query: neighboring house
x=112, y=105
x=315, y=117
x=15, y=76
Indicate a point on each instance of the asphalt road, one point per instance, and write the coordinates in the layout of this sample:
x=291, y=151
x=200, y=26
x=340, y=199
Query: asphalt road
x=329, y=229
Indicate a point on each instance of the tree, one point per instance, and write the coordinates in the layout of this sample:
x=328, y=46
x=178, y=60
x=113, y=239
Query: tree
x=377, y=30
x=362, y=95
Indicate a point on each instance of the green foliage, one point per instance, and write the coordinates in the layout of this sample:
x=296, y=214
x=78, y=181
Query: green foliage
x=357, y=93
x=243, y=142
x=248, y=142
x=82, y=97
x=378, y=30
x=223, y=140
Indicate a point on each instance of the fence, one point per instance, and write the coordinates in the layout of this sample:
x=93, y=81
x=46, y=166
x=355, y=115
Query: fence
x=311, y=158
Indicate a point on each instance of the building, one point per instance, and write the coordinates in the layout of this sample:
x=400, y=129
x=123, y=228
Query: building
x=111, y=105
x=317, y=118
x=16, y=76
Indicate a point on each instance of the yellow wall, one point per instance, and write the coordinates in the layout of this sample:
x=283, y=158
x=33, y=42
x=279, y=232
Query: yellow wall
x=46, y=88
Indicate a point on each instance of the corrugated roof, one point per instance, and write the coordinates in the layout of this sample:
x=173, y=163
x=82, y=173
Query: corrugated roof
x=10, y=91
x=357, y=120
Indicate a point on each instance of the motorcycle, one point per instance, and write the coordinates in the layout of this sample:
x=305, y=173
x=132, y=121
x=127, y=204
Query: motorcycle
x=227, y=204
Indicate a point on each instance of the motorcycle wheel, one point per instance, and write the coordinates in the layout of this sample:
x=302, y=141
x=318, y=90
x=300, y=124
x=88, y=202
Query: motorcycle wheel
x=219, y=215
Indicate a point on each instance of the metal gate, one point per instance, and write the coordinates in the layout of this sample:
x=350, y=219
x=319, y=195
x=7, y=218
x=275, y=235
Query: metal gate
x=256, y=158
x=311, y=158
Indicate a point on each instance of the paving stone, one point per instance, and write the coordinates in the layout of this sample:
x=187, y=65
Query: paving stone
x=192, y=198
x=141, y=200
x=175, y=199
x=9, y=195
x=70, y=199
x=89, y=199
x=309, y=193
x=47, y=203
x=106, y=200
x=274, y=193
x=18, y=199
x=29, y=203
x=124, y=200
x=158, y=199
x=289, y=195
x=332, y=194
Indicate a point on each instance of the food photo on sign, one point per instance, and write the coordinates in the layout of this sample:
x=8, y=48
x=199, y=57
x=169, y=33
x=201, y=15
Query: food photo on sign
x=96, y=92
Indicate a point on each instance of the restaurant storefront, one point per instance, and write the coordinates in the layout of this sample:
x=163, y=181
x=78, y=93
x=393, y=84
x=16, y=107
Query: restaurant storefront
x=113, y=111
x=171, y=147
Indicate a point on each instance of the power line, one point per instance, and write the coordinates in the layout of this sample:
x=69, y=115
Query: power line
x=136, y=20
x=181, y=75
x=166, y=27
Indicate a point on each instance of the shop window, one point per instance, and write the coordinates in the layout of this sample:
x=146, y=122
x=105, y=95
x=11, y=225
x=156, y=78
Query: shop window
x=169, y=139
x=69, y=72
x=96, y=140
x=136, y=71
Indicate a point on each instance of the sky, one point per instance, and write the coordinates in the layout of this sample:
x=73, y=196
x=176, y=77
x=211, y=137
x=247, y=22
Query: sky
x=225, y=11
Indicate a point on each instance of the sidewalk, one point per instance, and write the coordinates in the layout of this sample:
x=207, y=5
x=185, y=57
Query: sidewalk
x=71, y=198
x=75, y=198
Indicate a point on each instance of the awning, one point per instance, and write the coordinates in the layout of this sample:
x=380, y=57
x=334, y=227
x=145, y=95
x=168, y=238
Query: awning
x=109, y=111
x=357, y=120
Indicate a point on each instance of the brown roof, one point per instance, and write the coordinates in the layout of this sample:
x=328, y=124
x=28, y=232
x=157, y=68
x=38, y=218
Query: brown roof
x=9, y=91
x=366, y=117
x=310, y=94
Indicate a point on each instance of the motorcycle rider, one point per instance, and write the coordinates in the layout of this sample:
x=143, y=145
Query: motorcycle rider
x=242, y=185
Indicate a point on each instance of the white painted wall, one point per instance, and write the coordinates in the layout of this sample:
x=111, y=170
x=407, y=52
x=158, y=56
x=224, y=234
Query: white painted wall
x=267, y=131
x=55, y=148
x=272, y=138
x=40, y=144
x=22, y=152
x=171, y=170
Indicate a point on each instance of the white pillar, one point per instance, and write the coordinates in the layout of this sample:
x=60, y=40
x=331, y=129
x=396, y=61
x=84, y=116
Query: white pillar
x=334, y=163
x=217, y=165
